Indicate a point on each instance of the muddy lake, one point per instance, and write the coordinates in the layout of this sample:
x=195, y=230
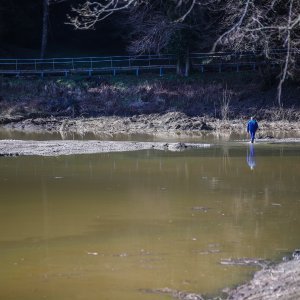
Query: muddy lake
x=113, y=225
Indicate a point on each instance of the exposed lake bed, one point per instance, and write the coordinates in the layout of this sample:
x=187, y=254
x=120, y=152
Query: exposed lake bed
x=72, y=147
x=172, y=123
x=172, y=239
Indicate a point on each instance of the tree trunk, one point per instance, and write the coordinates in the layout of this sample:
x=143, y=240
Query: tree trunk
x=178, y=66
x=45, y=27
x=187, y=63
x=284, y=72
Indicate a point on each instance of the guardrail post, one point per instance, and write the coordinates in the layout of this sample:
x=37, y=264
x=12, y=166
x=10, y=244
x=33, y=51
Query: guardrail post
x=90, y=73
x=202, y=69
x=137, y=72
x=161, y=72
x=114, y=72
x=237, y=67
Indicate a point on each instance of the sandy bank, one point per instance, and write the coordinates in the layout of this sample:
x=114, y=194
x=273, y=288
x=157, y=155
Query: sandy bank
x=56, y=148
x=71, y=147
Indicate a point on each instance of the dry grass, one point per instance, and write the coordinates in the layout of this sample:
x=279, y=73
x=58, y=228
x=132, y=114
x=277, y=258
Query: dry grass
x=128, y=96
x=225, y=102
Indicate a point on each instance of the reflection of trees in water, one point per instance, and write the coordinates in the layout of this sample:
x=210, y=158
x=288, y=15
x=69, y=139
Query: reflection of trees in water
x=225, y=159
x=46, y=226
x=266, y=196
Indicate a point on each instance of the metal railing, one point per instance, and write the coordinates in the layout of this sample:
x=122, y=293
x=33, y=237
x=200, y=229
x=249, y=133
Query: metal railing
x=219, y=61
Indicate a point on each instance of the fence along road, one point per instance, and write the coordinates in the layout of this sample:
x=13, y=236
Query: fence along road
x=217, y=62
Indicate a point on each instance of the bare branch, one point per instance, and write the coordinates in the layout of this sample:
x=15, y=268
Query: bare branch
x=288, y=55
x=182, y=18
x=90, y=13
x=233, y=28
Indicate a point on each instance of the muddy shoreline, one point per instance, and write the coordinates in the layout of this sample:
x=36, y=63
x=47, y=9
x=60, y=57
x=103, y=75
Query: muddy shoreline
x=75, y=147
x=279, y=281
x=172, y=123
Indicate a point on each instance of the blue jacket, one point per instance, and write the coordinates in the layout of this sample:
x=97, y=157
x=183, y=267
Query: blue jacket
x=252, y=126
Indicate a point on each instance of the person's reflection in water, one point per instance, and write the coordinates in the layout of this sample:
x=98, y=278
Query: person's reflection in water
x=251, y=157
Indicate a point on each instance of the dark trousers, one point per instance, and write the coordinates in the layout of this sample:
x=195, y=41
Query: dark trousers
x=252, y=134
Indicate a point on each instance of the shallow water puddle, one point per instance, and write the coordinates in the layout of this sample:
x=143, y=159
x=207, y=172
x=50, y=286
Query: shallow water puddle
x=112, y=226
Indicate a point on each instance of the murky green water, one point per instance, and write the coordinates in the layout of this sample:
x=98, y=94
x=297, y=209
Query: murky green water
x=108, y=226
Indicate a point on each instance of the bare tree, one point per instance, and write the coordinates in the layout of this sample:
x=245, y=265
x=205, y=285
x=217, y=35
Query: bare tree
x=151, y=32
x=255, y=25
x=155, y=25
x=44, y=41
x=45, y=27
x=252, y=25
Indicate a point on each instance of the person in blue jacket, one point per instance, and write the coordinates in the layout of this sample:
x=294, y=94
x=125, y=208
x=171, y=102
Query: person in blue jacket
x=252, y=128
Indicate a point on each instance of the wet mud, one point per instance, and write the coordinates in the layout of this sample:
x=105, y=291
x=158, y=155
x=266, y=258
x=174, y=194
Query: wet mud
x=152, y=124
